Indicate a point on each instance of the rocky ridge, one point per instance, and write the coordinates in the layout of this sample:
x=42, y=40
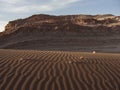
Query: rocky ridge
x=66, y=23
x=67, y=33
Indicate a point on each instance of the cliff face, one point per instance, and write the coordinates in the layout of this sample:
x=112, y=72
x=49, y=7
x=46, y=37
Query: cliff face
x=70, y=32
x=65, y=23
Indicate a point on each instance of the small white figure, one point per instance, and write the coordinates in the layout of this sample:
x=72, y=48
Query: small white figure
x=94, y=52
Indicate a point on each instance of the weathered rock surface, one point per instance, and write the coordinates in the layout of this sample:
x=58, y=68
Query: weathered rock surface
x=65, y=23
x=52, y=32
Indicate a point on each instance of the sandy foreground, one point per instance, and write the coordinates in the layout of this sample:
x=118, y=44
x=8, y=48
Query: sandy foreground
x=55, y=70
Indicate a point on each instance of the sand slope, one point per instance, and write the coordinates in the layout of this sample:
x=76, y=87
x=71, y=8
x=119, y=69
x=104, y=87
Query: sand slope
x=49, y=70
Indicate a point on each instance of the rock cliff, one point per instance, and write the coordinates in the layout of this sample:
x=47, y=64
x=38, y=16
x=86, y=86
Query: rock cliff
x=67, y=32
x=66, y=23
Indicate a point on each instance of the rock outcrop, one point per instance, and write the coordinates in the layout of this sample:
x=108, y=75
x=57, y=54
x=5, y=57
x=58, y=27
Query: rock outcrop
x=66, y=23
x=74, y=32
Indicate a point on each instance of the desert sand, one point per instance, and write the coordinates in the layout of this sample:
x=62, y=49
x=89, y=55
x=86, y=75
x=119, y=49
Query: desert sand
x=58, y=70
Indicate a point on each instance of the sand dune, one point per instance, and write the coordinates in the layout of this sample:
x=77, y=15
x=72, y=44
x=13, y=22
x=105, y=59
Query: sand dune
x=54, y=70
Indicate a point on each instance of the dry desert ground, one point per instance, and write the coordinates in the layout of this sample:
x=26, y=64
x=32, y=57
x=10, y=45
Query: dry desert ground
x=58, y=70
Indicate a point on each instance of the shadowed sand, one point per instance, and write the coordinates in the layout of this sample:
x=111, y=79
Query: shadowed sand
x=54, y=70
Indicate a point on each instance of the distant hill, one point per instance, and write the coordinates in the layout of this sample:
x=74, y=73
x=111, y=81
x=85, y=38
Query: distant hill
x=66, y=32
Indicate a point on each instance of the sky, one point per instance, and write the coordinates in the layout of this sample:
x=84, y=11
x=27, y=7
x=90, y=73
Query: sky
x=17, y=9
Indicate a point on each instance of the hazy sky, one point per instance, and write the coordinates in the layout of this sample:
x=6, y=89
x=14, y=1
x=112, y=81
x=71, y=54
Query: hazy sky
x=14, y=9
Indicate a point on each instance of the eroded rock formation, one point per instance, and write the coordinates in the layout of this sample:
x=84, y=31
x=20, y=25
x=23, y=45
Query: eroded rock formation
x=69, y=32
x=68, y=22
